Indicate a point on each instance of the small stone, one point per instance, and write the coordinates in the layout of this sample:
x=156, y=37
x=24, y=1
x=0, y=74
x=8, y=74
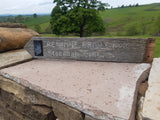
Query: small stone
x=64, y=112
x=143, y=87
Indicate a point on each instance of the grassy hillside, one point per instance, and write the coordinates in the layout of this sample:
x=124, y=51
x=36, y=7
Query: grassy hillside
x=42, y=21
x=142, y=17
x=117, y=20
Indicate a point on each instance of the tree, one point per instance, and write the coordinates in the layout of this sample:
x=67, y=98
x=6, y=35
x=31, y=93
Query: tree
x=137, y=5
x=19, y=19
x=10, y=19
x=122, y=6
x=35, y=15
x=130, y=5
x=77, y=16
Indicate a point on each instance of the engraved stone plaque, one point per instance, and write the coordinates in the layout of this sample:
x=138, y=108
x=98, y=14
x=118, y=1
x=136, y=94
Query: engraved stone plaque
x=93, y=49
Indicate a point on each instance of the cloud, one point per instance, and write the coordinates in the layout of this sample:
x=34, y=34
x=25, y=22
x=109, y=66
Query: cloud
x=26, y=6
x=116, y=3
x=12, y=8
x=44, y=3
x=46, y=6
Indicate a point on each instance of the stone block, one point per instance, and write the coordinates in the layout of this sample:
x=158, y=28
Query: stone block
x=13, y=57
x=15, y=38
x=23, y=100
x=22, y=93
x=151, y=106
x=9, y=114
x=64, y=112
x=143, y=87
x=35, y=112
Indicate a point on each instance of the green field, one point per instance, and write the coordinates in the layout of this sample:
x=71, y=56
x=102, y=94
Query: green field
x=157, y=50
x=42, y=21
x=142, y=17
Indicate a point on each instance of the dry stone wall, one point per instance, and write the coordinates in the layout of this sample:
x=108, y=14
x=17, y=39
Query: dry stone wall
x=20, y=103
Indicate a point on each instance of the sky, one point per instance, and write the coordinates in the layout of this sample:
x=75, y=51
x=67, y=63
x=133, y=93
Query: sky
x=46, y=6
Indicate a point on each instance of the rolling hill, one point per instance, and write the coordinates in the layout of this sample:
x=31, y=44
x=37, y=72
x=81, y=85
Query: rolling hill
x=117, y=20
x=142, y=17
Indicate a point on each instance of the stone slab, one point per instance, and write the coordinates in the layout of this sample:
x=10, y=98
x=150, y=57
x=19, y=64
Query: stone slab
x=13, y=57
x=135, y=50
x=151, y=106
x=102, y=90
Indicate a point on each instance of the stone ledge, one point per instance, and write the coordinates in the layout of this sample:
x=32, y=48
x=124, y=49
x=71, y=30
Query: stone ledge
x=151, y=105
x=13, y=57
x=85, y=86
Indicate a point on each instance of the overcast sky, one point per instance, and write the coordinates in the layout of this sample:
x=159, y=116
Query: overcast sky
x=46, y=6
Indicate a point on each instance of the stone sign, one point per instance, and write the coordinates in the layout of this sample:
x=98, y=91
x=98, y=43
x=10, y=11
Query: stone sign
x=93, y=49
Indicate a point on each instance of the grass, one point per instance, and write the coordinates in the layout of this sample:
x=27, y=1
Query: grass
x=157, y=49
x=37, y=21
x=121, y=18
x=42, y=21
